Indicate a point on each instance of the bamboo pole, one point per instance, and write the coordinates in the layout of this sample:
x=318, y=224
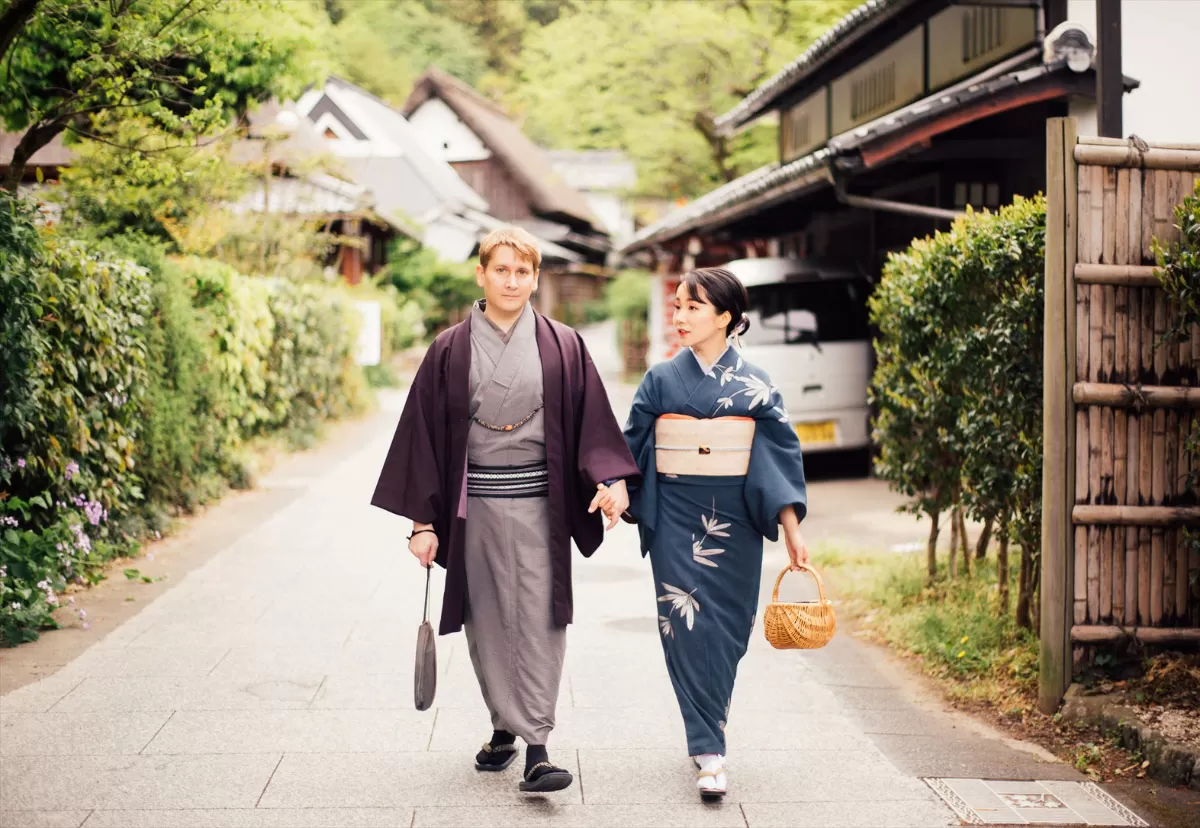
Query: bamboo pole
x=1098, y=634
x=1140, y=516
x=1131, y=532
x=1152, y=159
x=1170, y=468
x=1127, y=275
x=1080, y=613
x=1146, y=245
x=1148, y=396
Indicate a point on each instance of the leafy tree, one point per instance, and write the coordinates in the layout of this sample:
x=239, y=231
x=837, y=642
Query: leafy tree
x=385, y=46
x=651, y=76
x=188, y=65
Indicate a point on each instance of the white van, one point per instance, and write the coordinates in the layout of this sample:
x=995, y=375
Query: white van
x=809, y=332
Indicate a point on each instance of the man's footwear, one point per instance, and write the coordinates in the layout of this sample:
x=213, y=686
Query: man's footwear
x=496, y=758
x=545, y=778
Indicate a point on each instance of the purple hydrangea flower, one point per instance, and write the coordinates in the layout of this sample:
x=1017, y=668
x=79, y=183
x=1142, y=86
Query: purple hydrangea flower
x=72, y=469
x=21, y=463
x=94, y=512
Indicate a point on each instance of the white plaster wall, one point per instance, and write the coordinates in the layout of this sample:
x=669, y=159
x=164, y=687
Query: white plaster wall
x=444, y=135
x=1158, y=47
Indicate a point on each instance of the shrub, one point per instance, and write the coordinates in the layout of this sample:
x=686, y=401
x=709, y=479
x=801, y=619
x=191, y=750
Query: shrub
x=958, y=383
x=439, y=287
x=22, y=343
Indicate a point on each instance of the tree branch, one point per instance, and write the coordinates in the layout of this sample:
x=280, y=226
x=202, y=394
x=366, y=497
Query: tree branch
x=36, y=137
x=14, y=21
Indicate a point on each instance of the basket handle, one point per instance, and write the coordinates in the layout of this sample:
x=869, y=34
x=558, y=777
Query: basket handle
x=804, y=568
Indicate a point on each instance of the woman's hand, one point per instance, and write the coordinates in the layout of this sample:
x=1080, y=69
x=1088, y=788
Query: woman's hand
x=424, y=546
x=793, y=537
x=797, y=548
x=613, y=501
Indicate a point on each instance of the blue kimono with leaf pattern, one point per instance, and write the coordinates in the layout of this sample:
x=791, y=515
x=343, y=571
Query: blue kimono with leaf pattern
x=705, y=535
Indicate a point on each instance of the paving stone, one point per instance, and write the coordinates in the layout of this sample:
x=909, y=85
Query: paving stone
x=41, y=695
x=389, y=780
x=871, y=698
x=968, y=757
x=628, y=776
x=913, y=721
x=546, y=813
x=391, y=692
x=793, y=730
x=116, y=782
x=61, y=734
x=575, y=728
x=901, y=814
x=42, y=819
x=255, y=818
x=115, y=694
x=149, y=661
x=292, y=731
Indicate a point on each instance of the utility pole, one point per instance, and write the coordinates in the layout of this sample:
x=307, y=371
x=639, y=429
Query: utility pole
x=1110, y=81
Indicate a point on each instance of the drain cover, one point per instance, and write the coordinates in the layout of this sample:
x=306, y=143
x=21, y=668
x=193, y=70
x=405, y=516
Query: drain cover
x=998, y=802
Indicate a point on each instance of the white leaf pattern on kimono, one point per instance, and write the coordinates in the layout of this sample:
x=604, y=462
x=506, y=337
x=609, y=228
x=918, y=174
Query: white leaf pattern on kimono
x=664, y=626
x=725, y=402
x=757, y=389
x=711, y=529
x=726, y=374
x=681, y=602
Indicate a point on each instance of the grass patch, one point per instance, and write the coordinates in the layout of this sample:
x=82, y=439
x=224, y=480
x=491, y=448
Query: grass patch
x=954, y=628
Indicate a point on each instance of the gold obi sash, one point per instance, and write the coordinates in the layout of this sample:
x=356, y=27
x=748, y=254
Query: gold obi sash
x=718, y=447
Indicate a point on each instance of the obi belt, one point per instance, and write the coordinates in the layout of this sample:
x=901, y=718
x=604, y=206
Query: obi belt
x=716, y=447
x=508, y=481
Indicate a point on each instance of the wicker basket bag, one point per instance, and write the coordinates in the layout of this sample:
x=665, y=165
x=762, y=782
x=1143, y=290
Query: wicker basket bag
x=805, y=626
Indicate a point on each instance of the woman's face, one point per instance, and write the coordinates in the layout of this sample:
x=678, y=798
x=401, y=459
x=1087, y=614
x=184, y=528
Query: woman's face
x=696, y=320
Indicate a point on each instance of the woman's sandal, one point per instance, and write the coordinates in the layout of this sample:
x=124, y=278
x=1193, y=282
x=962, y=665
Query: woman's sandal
x=712, y=784
x=545, y=778
x=493, y=759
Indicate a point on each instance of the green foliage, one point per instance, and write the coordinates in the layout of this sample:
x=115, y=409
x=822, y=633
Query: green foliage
x=1179, y=272
x=21, y=345
x=438, y=287
x=187, y=66
x=311, y=356
x=628, y=295
x=140, y=179
x=958, y=382
x=45, y=546
x=949, y=623
x=385, y=46
x=650, y=77
x=93, y=318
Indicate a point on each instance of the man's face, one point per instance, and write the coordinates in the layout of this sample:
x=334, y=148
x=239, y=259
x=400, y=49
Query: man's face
x=508, y=280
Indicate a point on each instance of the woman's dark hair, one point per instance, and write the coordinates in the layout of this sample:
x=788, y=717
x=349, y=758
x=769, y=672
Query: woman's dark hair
x=722, y=290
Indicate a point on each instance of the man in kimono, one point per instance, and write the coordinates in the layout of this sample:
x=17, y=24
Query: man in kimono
x=506, y=445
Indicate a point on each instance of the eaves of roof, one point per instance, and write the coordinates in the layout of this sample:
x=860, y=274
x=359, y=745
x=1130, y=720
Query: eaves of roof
x=858, y=21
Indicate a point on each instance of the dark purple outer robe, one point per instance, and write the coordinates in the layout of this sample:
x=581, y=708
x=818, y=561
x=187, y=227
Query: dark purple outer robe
x=422, y=477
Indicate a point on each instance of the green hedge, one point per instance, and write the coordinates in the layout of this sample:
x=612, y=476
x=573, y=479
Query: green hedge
x=132, y=381
x=958, y=383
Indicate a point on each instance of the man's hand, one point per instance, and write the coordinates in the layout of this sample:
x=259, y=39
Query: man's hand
x=424, y=546
x=613, y=501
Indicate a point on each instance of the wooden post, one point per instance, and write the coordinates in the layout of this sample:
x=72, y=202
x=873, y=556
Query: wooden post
x=1058, y=467
x=1110, y=83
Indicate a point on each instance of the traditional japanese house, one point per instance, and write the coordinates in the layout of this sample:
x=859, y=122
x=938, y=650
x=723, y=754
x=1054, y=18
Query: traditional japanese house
x=890, y=125
x=518, y=180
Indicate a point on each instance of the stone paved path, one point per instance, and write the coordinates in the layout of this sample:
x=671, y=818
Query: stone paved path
x=272, y=687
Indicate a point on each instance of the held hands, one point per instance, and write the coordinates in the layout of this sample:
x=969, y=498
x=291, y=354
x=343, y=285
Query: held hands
x=424, y=546
x=612, y=501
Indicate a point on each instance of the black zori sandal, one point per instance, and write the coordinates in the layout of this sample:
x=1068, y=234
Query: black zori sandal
x=545, y=778
x=496, y=758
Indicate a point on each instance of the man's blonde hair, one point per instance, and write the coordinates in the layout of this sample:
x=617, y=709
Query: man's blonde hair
x=521, y=241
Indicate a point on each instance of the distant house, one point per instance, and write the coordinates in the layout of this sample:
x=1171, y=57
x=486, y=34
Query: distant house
x=606, y=178
x=286, y=146
x=518, y=179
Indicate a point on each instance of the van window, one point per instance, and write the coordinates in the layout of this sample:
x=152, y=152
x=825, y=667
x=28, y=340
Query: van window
x=790, y=313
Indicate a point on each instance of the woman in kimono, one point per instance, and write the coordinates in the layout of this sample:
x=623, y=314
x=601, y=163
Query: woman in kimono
x=721, y=470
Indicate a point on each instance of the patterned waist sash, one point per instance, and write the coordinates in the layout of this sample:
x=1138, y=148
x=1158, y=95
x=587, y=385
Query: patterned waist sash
x=508, y=481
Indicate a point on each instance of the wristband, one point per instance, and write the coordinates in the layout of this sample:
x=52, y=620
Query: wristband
x=420, y=531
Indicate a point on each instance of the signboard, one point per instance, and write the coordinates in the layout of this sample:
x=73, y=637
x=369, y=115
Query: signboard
x=886, y=82
x=966, y=39
x=805, y=126
x=369, y=350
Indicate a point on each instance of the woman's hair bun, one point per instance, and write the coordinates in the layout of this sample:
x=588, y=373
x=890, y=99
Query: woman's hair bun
x=742, y=325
